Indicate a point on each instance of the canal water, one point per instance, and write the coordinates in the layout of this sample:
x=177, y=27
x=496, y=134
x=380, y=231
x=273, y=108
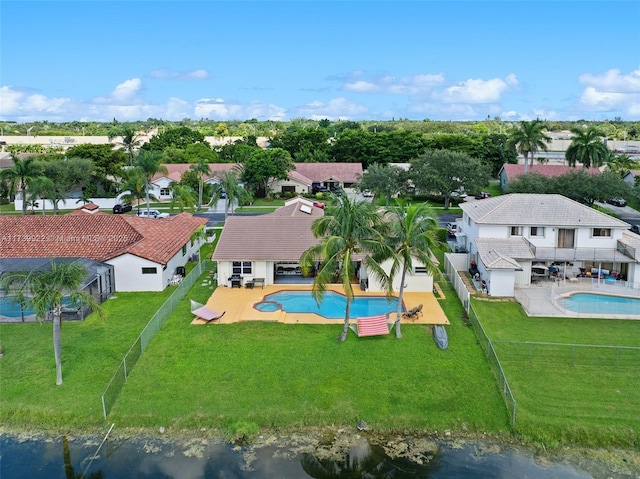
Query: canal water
x=161, y=458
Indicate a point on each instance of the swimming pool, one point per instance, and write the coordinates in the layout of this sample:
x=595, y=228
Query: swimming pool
x=10, y=308
x=332, y=305
x=605, y=304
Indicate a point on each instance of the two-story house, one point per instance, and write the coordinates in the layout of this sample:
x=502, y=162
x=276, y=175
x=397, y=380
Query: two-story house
x=510, y=237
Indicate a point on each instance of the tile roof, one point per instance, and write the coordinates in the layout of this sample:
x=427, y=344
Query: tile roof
x=512, y=247
x=537, y=210
x=547, y=170
x=304, y=172
x=96, y=236
x=265, y=238
x=294, y=208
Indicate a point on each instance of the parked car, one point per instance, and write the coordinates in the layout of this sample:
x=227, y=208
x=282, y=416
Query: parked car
x=617, y=201
x=155, y=214
x=635, y=229
x=482, y=195
x=451, y=229
x=122, y=208
x=458, y=194
x=367, y=194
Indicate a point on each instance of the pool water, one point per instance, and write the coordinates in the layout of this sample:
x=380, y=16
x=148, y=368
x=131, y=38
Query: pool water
x=332, y=306
x=10, y=308
x=601, y=304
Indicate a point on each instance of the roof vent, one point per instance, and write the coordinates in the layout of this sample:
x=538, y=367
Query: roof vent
x=305, y=209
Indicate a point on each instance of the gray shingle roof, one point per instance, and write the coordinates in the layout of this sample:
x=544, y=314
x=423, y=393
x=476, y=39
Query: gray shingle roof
x=511, y=247
x=537, y=210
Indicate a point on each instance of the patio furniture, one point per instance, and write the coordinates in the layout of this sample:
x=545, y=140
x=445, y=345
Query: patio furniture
x=202, y=312
x=372, y=326
x=236, y=281
x=414, y=313
x=249, y=285
x=259, y=281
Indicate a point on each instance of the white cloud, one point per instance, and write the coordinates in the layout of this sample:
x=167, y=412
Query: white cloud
x=167, y=74
x=335, y=109
x=28, y=107
x=611, y=91
x=217, y=109
x=407, y=85
x=613, y=81
x=127, y=90
x=478, y=91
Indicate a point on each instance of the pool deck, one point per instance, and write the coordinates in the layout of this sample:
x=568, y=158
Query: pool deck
x=238, y=305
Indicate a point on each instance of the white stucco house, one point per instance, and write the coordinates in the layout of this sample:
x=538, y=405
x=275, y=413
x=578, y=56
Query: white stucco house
x=145, y=253
x=269, y=247
x=513, y=237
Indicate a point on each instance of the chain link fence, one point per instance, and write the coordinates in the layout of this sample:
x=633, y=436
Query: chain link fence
x=569, y=354
x=153, y=326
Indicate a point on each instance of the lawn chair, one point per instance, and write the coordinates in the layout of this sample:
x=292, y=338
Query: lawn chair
x=202, y=312
x=414, y=313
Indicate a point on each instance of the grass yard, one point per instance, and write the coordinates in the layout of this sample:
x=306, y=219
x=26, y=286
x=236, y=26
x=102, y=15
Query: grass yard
x=569, y=395
x=91, y=352
x=245, y=377
x=270, y=375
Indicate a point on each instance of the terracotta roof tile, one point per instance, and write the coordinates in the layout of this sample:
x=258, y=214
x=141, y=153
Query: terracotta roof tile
x=550, y=171
x=95, y=236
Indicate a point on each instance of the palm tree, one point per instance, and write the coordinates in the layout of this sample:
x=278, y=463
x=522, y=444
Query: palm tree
x=183, y=196
x=411, y=237
x=230, y=188
x=42, y=187
x=47, y=291
x=529, y=137
x=620, y=164
x=148, y=162
x=350, y=228
x=130, y=140
x=587, y=148
x=133, y=181
x=21, y=174
x=202, y=169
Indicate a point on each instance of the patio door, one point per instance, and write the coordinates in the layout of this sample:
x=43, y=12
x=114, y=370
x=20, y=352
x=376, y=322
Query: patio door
x=566, y=238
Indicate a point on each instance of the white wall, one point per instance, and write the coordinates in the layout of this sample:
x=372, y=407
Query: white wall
x=129, y=277
x=68, y=204
x=500, y=282
x=419, y=283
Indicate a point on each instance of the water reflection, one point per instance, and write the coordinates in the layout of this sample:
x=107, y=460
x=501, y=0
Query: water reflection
x=200, y=458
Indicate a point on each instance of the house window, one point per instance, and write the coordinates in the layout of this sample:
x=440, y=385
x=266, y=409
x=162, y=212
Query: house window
x=184, y=250
x=566, y=238
x=242, y=267
x=420, y=270
x=601, y=232
x=165, y=192
x=288, y=188
x=149, y=270
x=516, y=231
x=537, y=231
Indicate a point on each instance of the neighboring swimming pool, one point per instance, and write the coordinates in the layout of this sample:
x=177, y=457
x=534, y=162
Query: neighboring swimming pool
x=10, y=308
x=604, y=304
x=332, y=306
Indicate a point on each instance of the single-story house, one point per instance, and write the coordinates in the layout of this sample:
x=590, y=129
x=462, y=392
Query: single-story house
x=509, y=236
x=303, y=179
x=145, y=253
x=511, y=171
x=309, y=177
x=269, y=247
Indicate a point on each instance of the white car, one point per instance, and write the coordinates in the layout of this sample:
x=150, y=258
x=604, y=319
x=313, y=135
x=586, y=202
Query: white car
x=155, y=214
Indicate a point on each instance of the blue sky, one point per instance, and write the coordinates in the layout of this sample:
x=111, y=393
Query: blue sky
x=356, y=60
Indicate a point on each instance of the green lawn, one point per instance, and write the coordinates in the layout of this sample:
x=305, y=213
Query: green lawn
x=572, y=395
x=246, y=376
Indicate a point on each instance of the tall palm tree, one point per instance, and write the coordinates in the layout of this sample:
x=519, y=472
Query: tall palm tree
x=202, y=169
x=411, y=237
x=44, y=188
x=230, y=188
x=129, y=140
x=148, y=162
x=21, y=174
x=46, y=292
x=587, y=148
x=529, y=137
x=350, y=228
x=134, y=181
x=620, y=164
